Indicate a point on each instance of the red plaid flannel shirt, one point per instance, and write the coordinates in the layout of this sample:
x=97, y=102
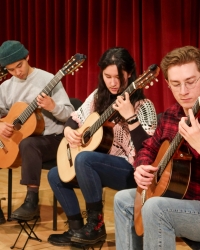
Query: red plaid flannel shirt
x=166, y=130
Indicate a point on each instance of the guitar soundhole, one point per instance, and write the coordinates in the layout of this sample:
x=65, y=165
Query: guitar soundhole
x=86, y=137
x=17, y=124
x=158, y=174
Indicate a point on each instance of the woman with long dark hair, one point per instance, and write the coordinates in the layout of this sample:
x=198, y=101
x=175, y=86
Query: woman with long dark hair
x=134, y=120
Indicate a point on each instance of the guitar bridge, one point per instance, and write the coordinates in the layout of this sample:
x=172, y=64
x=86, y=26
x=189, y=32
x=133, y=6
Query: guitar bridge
x=69, y=155
x=143, y=197
x=2, y=146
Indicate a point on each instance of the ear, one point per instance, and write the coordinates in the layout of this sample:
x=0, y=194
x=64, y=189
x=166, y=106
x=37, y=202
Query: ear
x=167, y=83
x=27, y=58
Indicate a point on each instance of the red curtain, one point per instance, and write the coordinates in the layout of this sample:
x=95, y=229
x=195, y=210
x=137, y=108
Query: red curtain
x=55, y=30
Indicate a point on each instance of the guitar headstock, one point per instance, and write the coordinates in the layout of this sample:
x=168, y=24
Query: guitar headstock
x=147, y=77
x=73, y=64
x=3, y=72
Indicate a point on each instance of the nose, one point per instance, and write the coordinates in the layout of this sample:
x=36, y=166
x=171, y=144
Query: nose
x=113, y=81
x=17, y=72
x=183, y=89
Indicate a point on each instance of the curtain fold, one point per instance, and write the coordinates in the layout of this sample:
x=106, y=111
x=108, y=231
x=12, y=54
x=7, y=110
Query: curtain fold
x=55, y=30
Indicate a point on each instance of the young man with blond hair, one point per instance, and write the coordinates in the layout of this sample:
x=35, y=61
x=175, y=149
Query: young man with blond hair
x=164, y=218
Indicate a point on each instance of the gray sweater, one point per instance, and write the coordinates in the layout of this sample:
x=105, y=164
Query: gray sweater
x=16, y=90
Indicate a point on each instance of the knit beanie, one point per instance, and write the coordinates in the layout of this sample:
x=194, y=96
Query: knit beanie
x=12, y=51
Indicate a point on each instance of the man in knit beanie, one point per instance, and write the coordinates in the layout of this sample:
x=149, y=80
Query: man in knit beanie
x=27, y=84
x=12, y=51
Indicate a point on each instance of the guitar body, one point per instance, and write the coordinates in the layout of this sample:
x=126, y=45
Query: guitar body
x=101, y=141
x=172, y=183
x=9, y=148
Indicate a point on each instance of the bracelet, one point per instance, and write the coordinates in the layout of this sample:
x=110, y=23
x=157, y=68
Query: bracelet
x=135, y=119
x=131, y=117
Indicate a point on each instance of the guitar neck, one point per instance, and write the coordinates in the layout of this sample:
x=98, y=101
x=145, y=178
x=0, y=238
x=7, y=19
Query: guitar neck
x=22, y=118
x=109, y=112
x=177, y=141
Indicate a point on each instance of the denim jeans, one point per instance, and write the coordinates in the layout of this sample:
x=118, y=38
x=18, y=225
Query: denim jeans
x=163, y=220
x=94, y=170
x=125, y=235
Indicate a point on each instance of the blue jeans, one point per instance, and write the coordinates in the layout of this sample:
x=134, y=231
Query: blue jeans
x=125, y=235
x=93, y=171
x=163, y=220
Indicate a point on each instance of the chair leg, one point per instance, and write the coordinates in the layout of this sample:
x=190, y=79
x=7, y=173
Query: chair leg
x=54, y=213
x=29, y=230
x=9, y=194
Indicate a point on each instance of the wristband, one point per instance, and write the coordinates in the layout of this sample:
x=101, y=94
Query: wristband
x=135, y=119
x=131, y=117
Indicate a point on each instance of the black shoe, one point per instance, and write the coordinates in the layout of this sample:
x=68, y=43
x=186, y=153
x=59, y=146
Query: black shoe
x=61, y=239
x=2, y=218
x=65, y=238
x=29, y=209
x=94, y=231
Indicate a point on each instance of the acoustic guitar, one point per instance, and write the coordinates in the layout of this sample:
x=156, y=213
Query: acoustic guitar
x=97, y=133
x=28, y=120
x=173, y=176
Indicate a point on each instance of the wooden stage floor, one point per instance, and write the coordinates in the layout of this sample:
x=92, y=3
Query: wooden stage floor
x=9, y=231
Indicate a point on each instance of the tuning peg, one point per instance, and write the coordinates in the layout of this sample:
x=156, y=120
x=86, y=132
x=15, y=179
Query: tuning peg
x=76, y=70
x=151, y=83
x=73, y=73
x=156, y=79
x=147, y=87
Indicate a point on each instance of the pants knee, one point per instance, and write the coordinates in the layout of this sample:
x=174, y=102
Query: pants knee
x=26, y=143
x=80, y=160
x=151, y=207
x=52, y=175
x=118, y=197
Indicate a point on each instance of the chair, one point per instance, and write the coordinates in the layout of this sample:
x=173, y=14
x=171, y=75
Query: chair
x=76, y=103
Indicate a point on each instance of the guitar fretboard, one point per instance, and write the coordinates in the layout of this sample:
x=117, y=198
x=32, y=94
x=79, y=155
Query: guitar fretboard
x=109, y=112
x=22, y=118
x=175, y=142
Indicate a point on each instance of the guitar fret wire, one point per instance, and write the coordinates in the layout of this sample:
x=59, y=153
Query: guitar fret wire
x=175, y=143
x=33, y=105
x=110, y=111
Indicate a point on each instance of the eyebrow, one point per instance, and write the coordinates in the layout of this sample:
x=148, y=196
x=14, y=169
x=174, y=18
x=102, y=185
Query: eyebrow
x=15, y=67
x=184, y=80
x=109, y=74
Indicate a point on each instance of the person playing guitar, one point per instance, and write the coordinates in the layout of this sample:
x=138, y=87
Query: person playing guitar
x=166, y=203
x=26, y=84
x=134, y=121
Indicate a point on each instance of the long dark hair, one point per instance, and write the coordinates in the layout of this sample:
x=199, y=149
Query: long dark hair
x=123, y=60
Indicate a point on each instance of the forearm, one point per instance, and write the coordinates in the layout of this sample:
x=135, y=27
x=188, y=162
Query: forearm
x=71, y=123
x=138, y=135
